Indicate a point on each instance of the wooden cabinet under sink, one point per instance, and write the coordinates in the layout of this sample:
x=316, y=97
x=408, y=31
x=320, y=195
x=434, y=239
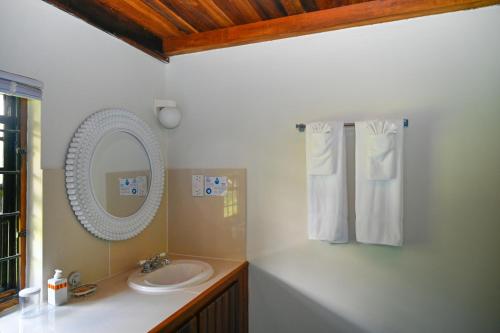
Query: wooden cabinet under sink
x=223, y=308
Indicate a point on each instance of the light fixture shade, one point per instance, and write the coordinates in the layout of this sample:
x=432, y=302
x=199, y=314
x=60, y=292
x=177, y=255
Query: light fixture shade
x=169, y=117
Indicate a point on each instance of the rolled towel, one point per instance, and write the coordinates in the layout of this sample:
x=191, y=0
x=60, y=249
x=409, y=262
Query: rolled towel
x=321, y=154
x=381, y=155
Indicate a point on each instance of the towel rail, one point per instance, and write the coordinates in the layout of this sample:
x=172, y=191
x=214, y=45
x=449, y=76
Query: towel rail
x=302, y=127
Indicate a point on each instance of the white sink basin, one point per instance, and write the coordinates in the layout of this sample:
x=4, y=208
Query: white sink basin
x=174, y=276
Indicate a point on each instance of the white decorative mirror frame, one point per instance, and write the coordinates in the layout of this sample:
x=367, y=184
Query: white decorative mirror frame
x=78, y=174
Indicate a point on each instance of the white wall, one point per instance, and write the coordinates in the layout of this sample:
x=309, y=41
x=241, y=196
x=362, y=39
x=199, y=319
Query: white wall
x=240, y=106
x=83, y=70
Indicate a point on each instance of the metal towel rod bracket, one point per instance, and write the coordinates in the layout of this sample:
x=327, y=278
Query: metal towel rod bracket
x=302, y=127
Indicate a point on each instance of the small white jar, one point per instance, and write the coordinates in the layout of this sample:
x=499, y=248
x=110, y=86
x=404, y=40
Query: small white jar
x=29, y=299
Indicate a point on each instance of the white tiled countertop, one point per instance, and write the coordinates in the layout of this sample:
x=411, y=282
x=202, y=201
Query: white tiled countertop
x=114, y=307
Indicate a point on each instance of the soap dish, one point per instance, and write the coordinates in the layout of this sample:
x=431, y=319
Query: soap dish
x=84, y=290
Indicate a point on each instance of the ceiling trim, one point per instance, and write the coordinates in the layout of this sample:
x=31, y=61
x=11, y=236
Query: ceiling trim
x=365, y=13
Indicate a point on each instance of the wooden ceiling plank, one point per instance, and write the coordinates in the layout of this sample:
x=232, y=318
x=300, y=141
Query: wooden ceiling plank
x=371, y=12
x=269, y=9
x=172, y=16
x=139, y=12
x=327, y=4
x=216, y=13
x=309, y=5
x=193, y=13
x=292, y=7
x=121, y=27
x=239, y=11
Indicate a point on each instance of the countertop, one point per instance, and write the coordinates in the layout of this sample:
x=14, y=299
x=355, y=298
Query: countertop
x=114, y=307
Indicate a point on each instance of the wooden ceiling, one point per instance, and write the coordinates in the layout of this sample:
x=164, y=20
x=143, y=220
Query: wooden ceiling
x=165, y=28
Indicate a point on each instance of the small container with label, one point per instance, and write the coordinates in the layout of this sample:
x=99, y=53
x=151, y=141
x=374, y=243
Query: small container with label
x=57, y=292
x=29, y=299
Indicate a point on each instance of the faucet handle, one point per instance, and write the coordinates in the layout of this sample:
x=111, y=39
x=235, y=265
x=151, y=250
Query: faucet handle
x=158, y=256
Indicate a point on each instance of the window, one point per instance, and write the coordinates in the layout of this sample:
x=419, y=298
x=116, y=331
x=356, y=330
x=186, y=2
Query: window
x=13, y=116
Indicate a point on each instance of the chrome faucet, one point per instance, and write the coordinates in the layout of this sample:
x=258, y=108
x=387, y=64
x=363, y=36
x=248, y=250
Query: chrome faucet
x=153, y=263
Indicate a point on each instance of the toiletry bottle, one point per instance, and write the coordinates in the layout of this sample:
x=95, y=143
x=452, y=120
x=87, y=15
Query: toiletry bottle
x=57, y=292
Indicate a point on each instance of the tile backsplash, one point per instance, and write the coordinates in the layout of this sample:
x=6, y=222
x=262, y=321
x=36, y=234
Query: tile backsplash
x=201, y=226
x=210, y=226
x=67, y=245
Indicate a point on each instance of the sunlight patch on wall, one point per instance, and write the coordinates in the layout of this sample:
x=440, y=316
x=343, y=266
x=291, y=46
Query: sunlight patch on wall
x=34, y=196
x=231, y=198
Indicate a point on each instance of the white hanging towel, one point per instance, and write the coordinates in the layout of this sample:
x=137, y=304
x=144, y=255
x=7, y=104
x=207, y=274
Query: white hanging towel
x=379, y=182
x=326, y=181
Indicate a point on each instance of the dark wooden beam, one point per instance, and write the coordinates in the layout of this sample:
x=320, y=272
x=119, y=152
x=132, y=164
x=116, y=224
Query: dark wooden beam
x=117, y=25
x=365, y=13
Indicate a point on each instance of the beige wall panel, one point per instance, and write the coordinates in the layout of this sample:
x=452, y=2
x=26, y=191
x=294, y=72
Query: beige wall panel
x=66, y=243
x=207, y=226
x=68, y=246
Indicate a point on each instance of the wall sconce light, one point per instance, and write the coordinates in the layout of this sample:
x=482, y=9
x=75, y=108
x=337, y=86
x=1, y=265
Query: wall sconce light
x=167, y=113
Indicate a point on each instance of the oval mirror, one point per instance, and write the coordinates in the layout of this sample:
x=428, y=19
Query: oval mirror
x=120, y=174
x=114, y=174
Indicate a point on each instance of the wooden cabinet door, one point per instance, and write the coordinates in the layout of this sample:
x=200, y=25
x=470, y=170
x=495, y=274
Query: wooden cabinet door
x=223, y=309
x=221, y=316
x=190, y=327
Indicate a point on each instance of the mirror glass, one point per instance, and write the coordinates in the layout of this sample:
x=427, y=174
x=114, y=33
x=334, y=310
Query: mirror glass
x=120, y=174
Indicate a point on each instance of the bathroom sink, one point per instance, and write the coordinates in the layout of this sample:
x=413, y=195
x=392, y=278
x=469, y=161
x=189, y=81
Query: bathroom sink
x=174, y=276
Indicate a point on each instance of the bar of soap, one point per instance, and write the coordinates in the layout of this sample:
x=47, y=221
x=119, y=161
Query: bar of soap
x=84, y=290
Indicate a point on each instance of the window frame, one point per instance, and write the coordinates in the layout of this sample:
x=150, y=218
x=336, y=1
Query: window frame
x=8, y=298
